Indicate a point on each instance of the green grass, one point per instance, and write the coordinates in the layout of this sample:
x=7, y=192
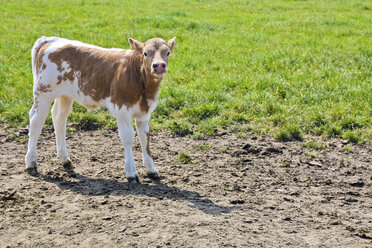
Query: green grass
x=184, y=158
x=349, y=149
x=204, y=147
x=286, y=68
x=315, y=145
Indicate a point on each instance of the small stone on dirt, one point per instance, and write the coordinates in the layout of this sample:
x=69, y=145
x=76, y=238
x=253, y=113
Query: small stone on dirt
x=365, y=235
x=314, y=163
x=254, y=150
x=335, y=223
x=358, y=184
x=246, y=146
x=235, y=202
x=272, y=150
x=22, y=132
x=351, y=200
x=328, y=182
x=8, y=196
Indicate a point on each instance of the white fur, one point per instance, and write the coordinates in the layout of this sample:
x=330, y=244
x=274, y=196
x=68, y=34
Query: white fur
x=64, y=94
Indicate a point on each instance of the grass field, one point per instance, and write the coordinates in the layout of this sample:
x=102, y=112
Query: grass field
x=285, y=68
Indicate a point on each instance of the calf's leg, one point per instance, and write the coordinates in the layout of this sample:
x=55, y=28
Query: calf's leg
x=144, y=135
x=126, y=133
x=38, y=114
x=61, y=108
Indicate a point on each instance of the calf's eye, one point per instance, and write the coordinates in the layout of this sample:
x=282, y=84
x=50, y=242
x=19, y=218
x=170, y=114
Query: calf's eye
x=145, y=54
x=168, y=53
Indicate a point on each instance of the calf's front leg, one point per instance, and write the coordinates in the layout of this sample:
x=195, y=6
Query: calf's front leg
x=144, y=135
x=126, y=133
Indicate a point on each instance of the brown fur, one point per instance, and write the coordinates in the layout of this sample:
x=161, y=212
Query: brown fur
x=108, y=74
x=40, y=88
x=148, y=143
x=39, y=57
x=43, y=88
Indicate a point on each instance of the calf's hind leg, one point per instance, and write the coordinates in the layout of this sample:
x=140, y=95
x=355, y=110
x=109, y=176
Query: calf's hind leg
x=38, y=114
x=61, y=109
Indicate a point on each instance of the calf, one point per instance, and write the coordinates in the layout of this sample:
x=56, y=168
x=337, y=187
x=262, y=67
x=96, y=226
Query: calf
x=125, y=81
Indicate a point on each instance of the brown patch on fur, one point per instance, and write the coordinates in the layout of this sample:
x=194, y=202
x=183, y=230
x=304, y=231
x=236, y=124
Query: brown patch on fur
x=59, y=78
x=128, y=86
x=134, y=84
x=148, y=143
x=96, y=68
x=36, y=103
x=40, y=88
x=39, y=57
x=43, y=88
x=151, y=91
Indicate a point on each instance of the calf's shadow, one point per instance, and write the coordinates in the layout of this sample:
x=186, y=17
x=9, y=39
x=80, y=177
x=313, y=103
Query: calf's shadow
x=73, y=181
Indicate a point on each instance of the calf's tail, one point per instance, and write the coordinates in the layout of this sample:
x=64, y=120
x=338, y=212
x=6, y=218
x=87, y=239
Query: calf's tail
x=35, y=49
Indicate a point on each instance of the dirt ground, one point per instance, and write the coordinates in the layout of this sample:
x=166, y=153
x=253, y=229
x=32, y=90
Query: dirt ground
x=232, y=192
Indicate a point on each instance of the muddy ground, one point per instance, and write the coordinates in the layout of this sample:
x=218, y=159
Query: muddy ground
x=231, y=192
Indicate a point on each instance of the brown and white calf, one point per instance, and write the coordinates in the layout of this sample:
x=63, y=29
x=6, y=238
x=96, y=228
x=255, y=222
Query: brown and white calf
x=125, y=81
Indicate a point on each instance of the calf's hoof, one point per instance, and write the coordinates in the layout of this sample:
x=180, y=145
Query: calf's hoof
x=133, y=179
x=32, y=171
x=67, y=164
x=153, y=175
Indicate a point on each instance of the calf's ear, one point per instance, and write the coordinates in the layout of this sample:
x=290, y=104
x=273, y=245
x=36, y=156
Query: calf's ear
x=171, y=43
x=136, y=45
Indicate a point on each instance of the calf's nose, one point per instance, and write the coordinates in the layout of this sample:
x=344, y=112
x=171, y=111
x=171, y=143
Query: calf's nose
x=156, y=65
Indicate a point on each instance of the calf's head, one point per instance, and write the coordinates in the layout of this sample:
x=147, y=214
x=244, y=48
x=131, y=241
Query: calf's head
x=155, y=54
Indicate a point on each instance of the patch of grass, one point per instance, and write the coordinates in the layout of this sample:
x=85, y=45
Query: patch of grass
x=353, y=136
x=288, y=68
x=184, y=158
x=204, y=147
x=333, y=131
x=289, y=133
x=242, y=135
x=312, y=154
x=53, y=162
x=13, y=137
x=181, y=128
x=198, y=136
x=344, y=160
x=284, y=164
x=87, y=121
x=315, y=145
x=349, y=149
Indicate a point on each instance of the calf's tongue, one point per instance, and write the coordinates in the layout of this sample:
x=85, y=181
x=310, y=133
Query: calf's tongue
x=159, y=69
